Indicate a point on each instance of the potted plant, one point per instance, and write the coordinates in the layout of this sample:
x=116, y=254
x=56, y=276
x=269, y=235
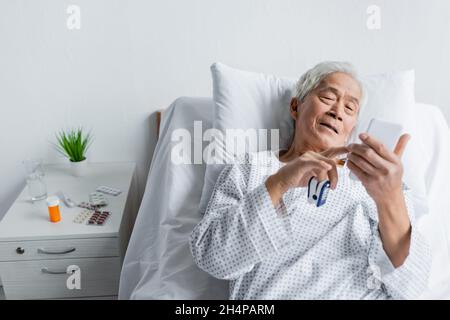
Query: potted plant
x=74, y=144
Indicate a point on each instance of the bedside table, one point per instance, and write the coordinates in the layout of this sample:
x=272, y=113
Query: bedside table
x=36, y=253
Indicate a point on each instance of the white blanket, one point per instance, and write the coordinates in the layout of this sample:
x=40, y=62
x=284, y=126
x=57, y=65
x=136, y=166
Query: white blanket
x=158, y=263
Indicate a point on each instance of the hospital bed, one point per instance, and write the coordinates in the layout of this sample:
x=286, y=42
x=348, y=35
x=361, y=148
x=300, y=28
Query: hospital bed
x=158, y=262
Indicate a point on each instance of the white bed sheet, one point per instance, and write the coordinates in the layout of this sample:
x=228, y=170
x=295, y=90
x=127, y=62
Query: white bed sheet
x=158, y=263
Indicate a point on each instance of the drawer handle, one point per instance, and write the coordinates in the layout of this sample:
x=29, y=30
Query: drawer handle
x=69, y=250
x=49, y=271
x=20, y=250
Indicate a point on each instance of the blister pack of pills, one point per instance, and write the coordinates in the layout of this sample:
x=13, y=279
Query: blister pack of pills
x=98, y=218
x=86, y=205
x=83, y=216
x=97, y=199
x=109, y=190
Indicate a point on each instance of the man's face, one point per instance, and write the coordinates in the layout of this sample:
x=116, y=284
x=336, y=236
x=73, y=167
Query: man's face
x=327, y=115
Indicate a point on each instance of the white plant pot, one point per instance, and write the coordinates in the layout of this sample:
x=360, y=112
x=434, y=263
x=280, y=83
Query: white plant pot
x=79, y=168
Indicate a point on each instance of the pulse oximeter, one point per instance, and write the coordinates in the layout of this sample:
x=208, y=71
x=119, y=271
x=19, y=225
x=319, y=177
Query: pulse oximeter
x=318, y=191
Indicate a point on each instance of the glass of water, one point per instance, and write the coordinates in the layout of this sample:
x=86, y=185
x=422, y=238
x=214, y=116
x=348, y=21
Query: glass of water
x=35, y=179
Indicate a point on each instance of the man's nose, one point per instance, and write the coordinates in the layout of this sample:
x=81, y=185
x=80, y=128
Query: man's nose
x=337, y=109
x=334, y=114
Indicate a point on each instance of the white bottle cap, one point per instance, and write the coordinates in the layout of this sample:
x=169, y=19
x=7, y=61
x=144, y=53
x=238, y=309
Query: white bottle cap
x=52, y=201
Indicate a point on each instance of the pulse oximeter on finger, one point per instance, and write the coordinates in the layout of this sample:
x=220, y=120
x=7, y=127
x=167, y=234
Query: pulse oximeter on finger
x=318, y=191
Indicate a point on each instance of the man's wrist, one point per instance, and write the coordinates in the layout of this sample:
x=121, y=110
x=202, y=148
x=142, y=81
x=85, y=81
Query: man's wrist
x=394, y=227
x=392, y=204
x=276, y=188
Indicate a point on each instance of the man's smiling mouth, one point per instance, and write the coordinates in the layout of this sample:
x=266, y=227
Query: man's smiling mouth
x=329, y=126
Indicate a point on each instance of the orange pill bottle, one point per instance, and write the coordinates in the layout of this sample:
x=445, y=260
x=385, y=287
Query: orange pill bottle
x=53, y=208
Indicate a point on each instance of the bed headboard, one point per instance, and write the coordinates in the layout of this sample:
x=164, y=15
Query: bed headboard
x=158, y=121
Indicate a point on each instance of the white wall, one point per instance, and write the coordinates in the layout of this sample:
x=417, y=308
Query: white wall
x=132, y=57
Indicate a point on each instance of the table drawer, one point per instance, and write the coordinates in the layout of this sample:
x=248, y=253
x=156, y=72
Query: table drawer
x=58, y=249
x=46, y=279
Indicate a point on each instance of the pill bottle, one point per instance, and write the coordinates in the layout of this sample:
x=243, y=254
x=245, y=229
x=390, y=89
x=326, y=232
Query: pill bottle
x=53, y=208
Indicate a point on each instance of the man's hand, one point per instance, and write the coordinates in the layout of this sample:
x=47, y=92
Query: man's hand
x=380, y=171
x=297, y=172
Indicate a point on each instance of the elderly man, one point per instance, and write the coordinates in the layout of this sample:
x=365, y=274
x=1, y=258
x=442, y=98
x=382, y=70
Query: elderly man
x=260, y=232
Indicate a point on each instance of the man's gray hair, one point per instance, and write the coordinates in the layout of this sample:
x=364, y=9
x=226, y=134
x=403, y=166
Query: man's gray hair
x=312, y=78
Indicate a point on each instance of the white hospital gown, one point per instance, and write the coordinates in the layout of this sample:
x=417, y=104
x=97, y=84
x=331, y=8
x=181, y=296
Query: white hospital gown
x=299, y=251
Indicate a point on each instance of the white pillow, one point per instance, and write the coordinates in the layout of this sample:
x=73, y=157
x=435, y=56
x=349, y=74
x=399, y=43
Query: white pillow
x=244, y=99
x=248, y=100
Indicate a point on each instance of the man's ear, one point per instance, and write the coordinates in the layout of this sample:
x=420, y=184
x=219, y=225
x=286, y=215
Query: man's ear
x=294, y=108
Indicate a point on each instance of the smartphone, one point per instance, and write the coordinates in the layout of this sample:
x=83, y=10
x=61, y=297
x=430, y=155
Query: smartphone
x=386, y=132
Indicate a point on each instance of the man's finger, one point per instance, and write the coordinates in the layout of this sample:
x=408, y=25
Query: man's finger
x=333, y=152
x=356, y=170
x=401, y=144
x=332, y=173
x=376, y=145
x=317, y=164
x=367, y=152
x=321, y=175
x=326, y=159
x=362, y=163
x=333, y=177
